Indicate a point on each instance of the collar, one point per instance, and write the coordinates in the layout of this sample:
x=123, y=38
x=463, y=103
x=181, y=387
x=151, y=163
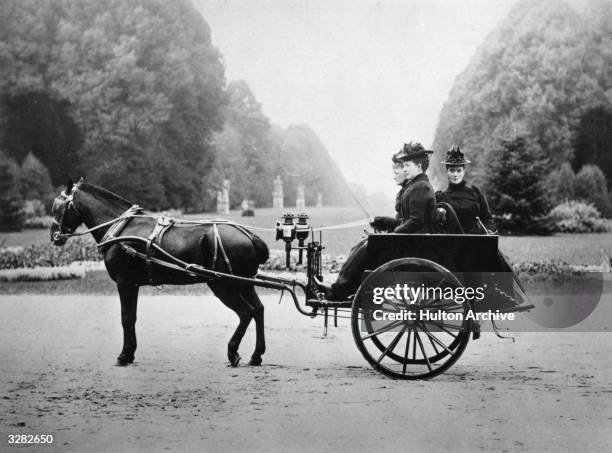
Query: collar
x=459, y=186
x=421, y=177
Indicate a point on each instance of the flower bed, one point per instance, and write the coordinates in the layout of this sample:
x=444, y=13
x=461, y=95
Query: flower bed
x=48, y=255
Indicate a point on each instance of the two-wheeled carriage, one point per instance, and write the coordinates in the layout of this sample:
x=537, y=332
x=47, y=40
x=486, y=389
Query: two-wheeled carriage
x=413, y=314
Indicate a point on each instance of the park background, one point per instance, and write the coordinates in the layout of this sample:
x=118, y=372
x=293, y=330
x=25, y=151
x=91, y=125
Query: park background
x=135, y=97
x=162, y=101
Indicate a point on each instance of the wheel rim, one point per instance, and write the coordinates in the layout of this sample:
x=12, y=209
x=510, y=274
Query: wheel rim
x=410, y=349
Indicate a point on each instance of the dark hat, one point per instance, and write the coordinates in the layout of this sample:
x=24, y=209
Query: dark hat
x=410, y=151
x=454, y=157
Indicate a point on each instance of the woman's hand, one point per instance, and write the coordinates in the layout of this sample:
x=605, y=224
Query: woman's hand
x=384, y=224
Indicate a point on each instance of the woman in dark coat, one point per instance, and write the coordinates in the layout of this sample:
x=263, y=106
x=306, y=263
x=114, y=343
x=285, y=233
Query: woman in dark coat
x=470, y=207
x=469, y=203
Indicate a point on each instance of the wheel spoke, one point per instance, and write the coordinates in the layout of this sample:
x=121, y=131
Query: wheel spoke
x=407, y=350
x=392, y=304
x=388, y=327
x=392, y=345
x=445, y=327
x=434, y=346
x=434, y=338
x=418, y=337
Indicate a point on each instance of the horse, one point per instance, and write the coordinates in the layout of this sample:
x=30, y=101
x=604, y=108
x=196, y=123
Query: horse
x=220, y=246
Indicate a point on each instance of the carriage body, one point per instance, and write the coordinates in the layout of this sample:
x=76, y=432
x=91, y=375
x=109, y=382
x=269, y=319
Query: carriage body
x=415, y=346
x=474, y=259
x=459, y=253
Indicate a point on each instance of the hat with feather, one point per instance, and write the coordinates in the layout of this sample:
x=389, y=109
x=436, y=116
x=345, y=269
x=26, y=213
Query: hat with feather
x=454, y=157
x=410, y=151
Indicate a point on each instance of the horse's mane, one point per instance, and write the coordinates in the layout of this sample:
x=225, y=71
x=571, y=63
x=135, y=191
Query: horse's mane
x=106, y=195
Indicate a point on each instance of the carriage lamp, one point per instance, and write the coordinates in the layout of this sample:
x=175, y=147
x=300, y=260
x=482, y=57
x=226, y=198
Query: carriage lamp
x=301, y=232
x=285, y=230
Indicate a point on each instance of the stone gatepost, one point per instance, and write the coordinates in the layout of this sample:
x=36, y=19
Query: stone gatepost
x=223, y=204
x=277, y=194
x=300, y=201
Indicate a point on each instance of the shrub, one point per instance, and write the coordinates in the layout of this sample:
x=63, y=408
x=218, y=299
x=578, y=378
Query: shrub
x=577, y=217
x=34, y=223
x=41, y=274
x=591, y=186
x=48, y=255
x=33, y=208
x=561, y=183
x=35, y=182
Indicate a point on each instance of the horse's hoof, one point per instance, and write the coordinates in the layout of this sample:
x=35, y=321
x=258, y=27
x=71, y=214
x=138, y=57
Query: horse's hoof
x=235, y=360
x=255, y=361
x=124, y=361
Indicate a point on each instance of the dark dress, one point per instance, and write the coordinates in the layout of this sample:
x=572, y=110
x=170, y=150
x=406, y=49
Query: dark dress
x=413, y=204
x=468, y=203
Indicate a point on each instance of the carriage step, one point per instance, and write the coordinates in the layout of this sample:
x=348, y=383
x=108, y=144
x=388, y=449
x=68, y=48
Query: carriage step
x=323, y=303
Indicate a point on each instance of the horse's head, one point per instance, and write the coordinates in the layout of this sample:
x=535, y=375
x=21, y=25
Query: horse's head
x=66, y=217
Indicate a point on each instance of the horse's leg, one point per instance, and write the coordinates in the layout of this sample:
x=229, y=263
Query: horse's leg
x=231, y=297
x=128, y=294
x=260, y=343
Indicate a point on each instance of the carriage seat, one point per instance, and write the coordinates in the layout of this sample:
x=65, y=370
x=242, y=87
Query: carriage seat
x=444, y=220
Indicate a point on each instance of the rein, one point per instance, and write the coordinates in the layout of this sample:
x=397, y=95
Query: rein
x=135, y=211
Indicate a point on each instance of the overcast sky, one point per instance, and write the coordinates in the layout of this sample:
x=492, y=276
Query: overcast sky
x=365, y=75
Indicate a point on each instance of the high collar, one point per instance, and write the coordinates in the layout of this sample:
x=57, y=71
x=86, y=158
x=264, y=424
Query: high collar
x=421, y=177
x=459, y=186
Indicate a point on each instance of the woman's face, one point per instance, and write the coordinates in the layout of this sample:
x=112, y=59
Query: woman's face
x=455, y=174
x=405, y=170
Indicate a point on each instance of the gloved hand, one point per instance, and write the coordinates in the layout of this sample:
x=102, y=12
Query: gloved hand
x=382, y=223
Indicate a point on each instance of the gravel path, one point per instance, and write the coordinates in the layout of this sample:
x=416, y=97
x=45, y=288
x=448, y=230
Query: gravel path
x=546, y=392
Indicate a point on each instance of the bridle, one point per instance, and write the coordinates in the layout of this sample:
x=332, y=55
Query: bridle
x=68, y=202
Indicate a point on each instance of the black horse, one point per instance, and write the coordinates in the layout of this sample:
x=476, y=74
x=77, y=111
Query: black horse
x=223, y=247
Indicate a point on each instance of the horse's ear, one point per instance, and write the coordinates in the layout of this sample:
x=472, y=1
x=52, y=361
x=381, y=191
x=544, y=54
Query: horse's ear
x=69, y=185
x=81, y=181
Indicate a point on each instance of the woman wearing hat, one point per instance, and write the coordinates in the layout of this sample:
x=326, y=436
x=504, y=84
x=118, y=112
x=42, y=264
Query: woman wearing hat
x=472, y=210
x=468, y=201
x=413, y=205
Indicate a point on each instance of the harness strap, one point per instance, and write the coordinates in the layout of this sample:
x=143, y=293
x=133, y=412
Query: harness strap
x=161, y=226
x=220, y=243
x=118, y=224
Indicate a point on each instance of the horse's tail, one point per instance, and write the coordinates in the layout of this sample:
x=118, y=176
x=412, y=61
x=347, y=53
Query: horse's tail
x=261, y=250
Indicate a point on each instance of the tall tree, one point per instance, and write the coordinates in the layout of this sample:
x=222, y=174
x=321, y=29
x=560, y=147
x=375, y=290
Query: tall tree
x=35, y=182
x=515, y=186
x=544, y=66
x=593, y=141
x=11, y=215
x=245, y=153
x=140, y=80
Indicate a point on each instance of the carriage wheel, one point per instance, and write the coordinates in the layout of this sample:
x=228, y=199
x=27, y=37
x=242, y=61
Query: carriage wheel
x=405, y=348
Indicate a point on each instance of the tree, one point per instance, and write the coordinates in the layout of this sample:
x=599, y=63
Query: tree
x=515, y=186
x=11, y=215
x=35, y=181
x=561, y=183
x=244, y=152
x=593, y=141
x=127, y=94
x=544, y=66
x=591, y=187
